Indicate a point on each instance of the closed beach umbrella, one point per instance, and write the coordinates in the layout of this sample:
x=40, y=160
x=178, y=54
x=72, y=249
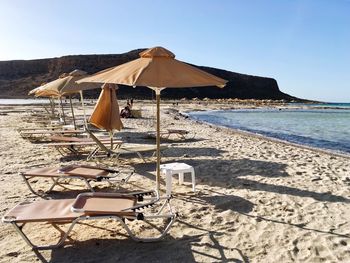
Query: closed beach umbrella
x=157, y=69
x=106, y=112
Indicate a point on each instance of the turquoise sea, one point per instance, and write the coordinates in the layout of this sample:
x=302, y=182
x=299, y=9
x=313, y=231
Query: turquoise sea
x=325, y=126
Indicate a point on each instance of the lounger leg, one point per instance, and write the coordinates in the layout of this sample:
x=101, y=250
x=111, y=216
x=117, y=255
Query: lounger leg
x=88, y=185
x=55, y=182
x=61, y=231
x=58, y=148
x=161, y=208
x=72, y=149
x=30, y=243
x=126, y=179
x=171, y=216
x=140, y=156
x=92, y=154
x=29, y=185
x=147, y=239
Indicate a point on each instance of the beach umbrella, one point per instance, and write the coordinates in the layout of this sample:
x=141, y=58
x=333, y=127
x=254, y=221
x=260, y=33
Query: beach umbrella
x=51, y=99
x=157, y=69
x=106, y=111
x=66, y=85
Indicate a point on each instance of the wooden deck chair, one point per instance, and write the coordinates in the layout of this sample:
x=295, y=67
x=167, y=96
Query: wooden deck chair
x=123, y=149
x=86, y=173
x=92, y=206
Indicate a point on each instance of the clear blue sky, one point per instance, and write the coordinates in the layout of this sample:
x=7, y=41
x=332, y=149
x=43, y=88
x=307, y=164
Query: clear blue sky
x=303, y=44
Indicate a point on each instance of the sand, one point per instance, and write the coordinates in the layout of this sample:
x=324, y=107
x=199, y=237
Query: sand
x=256, y=200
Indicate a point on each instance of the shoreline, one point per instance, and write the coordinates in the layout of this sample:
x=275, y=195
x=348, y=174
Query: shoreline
x=262, y=136
x=276, y=140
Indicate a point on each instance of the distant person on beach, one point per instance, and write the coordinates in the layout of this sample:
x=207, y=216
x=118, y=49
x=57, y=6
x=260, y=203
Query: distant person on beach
x=126, y=112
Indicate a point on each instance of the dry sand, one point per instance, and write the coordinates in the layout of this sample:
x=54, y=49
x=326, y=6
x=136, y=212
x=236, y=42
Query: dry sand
x=257, y=200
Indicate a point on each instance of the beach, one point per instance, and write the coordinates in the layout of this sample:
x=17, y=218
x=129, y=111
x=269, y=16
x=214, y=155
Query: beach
x=256, y=199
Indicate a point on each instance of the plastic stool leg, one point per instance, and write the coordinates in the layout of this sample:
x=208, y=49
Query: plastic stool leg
x=181, y=178
x=193, y=180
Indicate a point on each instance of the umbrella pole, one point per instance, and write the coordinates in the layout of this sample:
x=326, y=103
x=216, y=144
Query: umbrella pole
x=111, y=137
x=52, y=106
x=158, y=141
x=64, y=118
x=71, y=107
x=83, y=104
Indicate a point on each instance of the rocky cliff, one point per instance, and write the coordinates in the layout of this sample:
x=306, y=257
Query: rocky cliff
x=17, y=77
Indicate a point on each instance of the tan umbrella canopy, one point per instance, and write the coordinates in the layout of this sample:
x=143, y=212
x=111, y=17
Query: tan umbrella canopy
x=65, y=85
x=106, y=111
x=157, y=69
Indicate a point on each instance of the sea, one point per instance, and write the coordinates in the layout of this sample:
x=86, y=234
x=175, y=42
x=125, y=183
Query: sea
x=325, y=126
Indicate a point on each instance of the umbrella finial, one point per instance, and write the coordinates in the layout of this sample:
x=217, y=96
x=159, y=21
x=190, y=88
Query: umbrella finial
x=157, y=52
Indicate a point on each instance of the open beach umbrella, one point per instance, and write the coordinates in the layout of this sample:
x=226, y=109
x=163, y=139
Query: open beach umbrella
x=51, y=99
x=65, y=85
x=157, y=69
x=106, y=111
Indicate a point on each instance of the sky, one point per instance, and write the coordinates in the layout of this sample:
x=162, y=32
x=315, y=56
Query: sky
x=303, y=44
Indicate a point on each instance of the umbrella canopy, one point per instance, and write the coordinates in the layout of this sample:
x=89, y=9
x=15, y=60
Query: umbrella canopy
x=156, y=68
x=65, y=84
x=106, y=112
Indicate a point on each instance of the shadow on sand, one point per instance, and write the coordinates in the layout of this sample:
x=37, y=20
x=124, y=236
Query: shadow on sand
x=216, y=175
x=184, y=249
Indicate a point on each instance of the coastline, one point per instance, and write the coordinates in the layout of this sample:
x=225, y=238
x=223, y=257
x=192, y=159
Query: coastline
x=266, y=108
x=256, y=199
x=272, y=139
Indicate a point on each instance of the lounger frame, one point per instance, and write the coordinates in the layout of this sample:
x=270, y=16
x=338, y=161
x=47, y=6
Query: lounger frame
x=116, y=152
x=170, y=215
x=57, y=180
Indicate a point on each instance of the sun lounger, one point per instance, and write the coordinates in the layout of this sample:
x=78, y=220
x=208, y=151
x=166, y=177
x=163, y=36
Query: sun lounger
x=56, y=138
x=40, y=134
x=86, y=173
x=91, y=206
x=123, y=149
x=41, y=128
x=129, y=149
x=77, y=146
x=181, y=134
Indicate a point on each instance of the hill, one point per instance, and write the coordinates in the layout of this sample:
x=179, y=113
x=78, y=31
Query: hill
x=17, y=77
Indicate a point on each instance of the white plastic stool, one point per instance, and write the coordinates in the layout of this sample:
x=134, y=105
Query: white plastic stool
x=170, y=169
